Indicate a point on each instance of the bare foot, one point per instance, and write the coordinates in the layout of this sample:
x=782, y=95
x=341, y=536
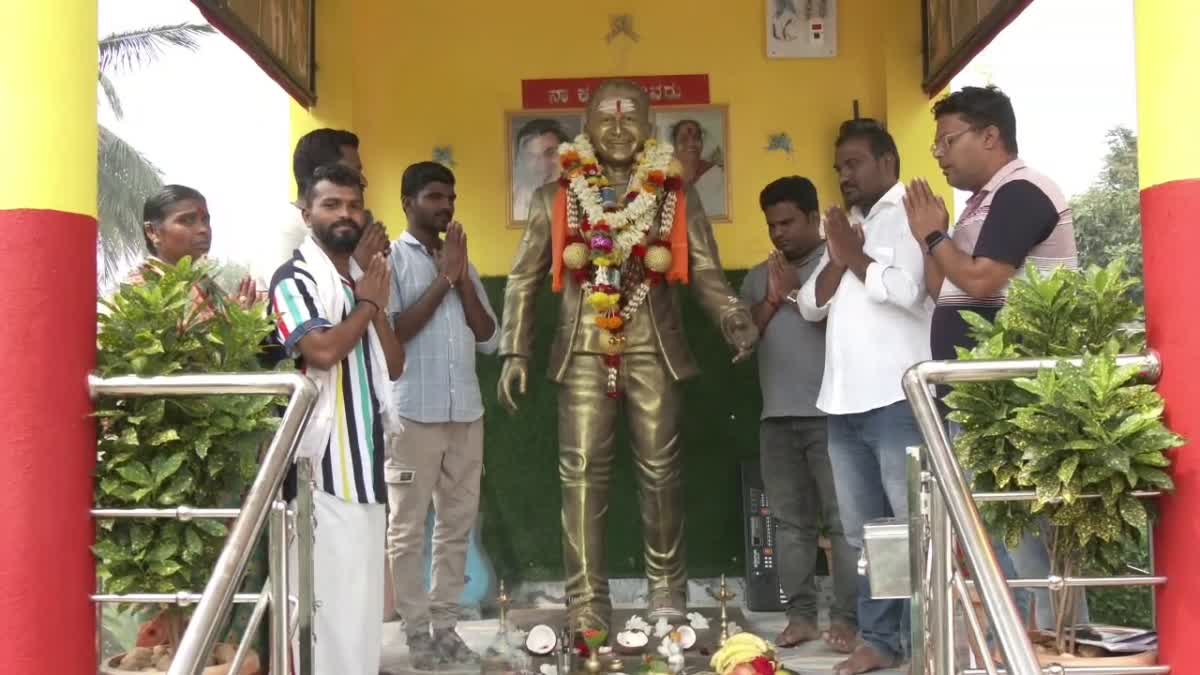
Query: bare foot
x=864, y=659
x=841, y=637
x=798, y=631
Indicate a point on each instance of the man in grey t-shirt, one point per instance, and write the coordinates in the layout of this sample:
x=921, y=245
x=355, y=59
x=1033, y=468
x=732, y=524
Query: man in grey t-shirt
x=792, y=438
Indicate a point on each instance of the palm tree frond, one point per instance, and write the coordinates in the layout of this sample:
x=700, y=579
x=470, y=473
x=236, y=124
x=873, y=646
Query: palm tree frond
x=110, y=93
x=127, y=178
x=130, y=49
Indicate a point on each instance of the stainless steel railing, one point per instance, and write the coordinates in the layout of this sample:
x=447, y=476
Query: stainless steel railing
x=262, y=503
x=943, y=510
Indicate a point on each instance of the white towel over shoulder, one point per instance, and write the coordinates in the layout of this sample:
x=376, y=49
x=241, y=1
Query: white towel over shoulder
x=333, y=305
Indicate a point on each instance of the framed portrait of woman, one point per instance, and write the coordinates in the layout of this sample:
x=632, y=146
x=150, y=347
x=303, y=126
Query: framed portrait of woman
x=700, y=136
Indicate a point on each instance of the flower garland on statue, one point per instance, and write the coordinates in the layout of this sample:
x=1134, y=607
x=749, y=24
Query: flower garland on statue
x=610, y=241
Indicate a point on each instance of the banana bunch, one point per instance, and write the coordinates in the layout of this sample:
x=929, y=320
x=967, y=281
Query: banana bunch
x=738, y=649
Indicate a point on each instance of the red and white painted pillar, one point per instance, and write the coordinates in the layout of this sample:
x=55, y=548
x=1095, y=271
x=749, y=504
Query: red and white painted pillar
x=1168, y=52
x=48, y=66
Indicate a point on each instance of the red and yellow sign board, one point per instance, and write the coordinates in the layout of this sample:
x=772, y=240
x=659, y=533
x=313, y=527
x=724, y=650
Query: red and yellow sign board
x=575, y=92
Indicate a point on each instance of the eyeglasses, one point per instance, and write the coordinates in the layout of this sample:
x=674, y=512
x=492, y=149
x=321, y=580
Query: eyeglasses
x=941, y=145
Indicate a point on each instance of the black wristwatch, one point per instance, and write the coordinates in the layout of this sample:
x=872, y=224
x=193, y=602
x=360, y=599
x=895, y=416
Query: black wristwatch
x=933, y=239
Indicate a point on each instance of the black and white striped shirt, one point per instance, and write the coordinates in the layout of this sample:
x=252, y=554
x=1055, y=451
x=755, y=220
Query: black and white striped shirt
x=352, y=467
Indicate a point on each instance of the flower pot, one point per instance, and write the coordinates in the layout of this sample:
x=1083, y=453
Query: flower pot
x=224, y=654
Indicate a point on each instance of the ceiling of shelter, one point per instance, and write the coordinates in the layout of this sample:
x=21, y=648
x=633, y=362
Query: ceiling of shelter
x=956, y=30
x=278, y=34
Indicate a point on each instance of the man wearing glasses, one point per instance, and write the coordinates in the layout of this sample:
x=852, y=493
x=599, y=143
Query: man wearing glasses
x=1014, y=214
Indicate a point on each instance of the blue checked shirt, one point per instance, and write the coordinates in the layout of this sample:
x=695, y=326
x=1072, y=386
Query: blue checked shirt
x=439, y=383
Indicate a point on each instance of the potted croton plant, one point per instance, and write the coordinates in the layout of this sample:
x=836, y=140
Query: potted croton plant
x=157, y=452
x=1073, y=430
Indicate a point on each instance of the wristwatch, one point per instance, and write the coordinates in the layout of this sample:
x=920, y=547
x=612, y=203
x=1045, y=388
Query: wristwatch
x=933, y=239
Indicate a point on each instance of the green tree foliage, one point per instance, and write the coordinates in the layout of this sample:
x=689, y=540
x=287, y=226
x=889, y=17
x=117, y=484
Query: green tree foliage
x=1108, y=217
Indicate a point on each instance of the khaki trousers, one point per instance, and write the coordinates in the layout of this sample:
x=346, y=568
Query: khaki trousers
x=436, y=464
x=587, y=420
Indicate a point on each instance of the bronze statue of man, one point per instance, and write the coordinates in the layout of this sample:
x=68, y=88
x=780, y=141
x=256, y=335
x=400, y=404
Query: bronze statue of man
x=615, y=233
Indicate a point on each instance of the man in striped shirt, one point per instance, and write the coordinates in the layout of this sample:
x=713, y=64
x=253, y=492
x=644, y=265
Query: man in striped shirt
x=1015, y=214
x=331, y=319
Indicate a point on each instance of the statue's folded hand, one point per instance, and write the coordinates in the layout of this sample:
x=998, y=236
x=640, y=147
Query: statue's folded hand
x=515, y=371
x=741, y=333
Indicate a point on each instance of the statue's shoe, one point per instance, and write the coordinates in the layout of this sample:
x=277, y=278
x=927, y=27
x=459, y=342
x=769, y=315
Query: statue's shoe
x=590, y=618
x=666, y=604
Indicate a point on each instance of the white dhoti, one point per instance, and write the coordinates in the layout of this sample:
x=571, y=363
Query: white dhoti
x=347, y=586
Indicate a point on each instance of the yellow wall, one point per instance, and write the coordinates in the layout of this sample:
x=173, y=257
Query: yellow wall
x=336, y=77
x=422, y=74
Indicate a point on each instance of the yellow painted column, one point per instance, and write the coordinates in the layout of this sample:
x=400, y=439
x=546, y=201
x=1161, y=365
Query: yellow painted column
x=1168, y=52
x=48, y=69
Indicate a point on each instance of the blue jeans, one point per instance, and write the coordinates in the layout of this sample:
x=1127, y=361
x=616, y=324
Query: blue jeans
x=868, y=453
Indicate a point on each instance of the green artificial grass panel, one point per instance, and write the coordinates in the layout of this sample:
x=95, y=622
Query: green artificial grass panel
x=521, y=499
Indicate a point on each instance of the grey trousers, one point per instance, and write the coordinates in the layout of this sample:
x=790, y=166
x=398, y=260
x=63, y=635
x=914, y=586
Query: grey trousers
x=799, y=482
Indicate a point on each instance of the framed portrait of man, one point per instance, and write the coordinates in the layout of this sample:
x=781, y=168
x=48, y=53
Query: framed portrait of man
x=700, y=136
x=533, y=140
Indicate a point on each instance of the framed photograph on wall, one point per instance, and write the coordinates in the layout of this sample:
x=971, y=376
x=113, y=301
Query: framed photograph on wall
x=700, y=135
x=532, y=158
x=801, y=29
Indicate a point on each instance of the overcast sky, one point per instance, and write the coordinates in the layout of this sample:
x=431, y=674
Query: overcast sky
x=211, y=120
x=1068, y=66
x=214, y=121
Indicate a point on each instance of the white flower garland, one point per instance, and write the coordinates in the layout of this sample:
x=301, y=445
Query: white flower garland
x=629, y=225
x=664, y=230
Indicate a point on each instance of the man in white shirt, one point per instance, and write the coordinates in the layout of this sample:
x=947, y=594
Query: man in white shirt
x=870, y=286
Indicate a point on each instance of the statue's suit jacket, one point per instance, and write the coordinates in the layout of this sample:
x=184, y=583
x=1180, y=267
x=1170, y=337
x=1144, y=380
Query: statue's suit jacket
x=576, y=334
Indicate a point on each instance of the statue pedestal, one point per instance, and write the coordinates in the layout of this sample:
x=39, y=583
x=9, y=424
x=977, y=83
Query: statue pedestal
x=810, y=659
